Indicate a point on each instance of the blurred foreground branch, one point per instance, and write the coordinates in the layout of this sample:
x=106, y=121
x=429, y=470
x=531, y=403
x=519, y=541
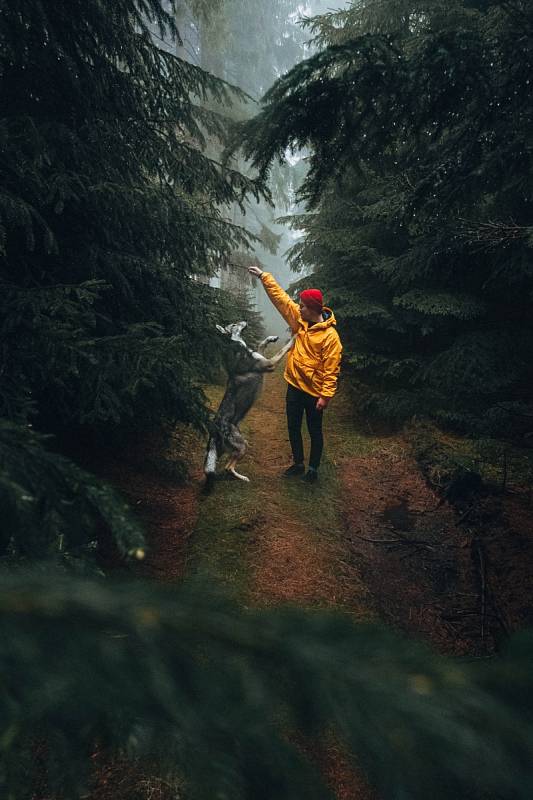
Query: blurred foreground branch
x=214, y=693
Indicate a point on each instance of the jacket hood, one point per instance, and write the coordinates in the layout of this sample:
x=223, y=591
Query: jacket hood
x=329, y=319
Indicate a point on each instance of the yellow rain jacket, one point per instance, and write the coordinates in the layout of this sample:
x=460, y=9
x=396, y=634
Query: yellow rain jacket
x=313, y=364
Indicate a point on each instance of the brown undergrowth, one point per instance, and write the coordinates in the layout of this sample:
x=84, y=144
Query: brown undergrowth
x=460, y=579
x=148, y=471
x=414, y=560
x=510, y=561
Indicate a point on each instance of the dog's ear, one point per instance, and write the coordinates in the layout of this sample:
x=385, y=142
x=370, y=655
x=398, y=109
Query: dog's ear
x=222, y=330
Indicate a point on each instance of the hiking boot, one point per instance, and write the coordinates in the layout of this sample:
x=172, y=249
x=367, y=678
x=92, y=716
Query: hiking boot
x=296, y=469
x=311, y=476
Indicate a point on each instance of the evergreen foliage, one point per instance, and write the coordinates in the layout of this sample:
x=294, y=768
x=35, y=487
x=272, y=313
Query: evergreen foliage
x=110, y=207
x=52, y=510
x=112, y=203
x=215, y=694
x=419, y=194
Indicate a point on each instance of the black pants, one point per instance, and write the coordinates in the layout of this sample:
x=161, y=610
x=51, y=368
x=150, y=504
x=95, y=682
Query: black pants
x=297, y=403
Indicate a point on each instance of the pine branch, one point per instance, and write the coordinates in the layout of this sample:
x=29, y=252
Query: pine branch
x=494, y=234
x=414, y=116
x=53, y=510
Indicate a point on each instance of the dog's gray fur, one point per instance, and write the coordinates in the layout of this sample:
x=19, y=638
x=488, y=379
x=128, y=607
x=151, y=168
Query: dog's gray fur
x=244, y=383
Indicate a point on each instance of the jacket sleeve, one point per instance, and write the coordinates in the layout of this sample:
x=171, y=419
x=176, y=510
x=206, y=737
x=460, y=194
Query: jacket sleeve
x=331, y=360
x=289, y=310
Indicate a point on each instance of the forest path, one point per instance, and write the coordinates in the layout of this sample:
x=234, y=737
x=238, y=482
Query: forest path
x=278, y=541
x=370, y=538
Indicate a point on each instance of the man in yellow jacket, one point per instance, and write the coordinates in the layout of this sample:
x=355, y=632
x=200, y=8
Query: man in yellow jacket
x=311, y=370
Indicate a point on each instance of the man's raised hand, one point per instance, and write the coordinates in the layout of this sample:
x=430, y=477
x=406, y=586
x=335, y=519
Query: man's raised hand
x=255, y=271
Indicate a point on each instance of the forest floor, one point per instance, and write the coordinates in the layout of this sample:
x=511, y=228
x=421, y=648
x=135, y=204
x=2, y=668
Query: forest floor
x=370, y=538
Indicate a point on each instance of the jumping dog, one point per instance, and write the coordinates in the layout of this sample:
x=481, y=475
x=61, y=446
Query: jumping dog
x=245, y=379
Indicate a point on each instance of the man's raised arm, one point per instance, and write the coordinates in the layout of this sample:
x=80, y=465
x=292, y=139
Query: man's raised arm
x=289, y=310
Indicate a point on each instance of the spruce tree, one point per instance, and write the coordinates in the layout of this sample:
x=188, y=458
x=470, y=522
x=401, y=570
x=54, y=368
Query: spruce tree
x=110, y=207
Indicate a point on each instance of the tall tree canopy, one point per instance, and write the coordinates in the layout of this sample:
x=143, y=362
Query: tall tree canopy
x=418, y=116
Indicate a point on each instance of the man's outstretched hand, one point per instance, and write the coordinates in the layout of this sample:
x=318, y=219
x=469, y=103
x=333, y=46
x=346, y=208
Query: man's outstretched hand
x=255, y=271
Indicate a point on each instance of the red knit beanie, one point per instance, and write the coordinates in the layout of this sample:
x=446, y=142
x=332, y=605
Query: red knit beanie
x=313, y=299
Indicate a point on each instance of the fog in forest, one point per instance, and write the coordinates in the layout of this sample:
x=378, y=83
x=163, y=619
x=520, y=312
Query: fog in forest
x=294, y=48
x=251, y=44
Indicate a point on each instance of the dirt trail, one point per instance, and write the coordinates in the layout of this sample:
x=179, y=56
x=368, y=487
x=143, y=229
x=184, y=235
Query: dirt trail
x=296, y=553
x=279, y=540
x=371, y=538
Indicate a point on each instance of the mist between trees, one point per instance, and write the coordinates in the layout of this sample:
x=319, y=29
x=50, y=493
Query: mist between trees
x=147, y=152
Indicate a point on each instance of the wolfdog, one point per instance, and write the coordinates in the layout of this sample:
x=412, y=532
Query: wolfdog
x=245, y=378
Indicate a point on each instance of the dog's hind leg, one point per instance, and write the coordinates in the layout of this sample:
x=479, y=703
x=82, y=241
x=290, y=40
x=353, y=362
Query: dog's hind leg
x=238, y=445
x=238, y=475
x=211, y=456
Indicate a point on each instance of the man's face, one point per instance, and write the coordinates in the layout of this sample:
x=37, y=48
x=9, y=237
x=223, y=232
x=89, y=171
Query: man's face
x=307, y=314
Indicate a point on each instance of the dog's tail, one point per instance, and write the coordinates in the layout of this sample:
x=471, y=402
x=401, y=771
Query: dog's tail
x=210, y=464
